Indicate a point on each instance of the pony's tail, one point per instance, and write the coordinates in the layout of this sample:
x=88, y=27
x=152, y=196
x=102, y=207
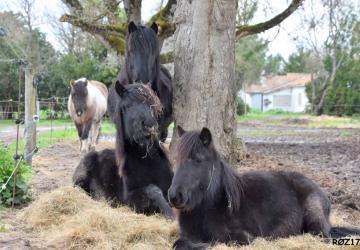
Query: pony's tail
x=341, y=232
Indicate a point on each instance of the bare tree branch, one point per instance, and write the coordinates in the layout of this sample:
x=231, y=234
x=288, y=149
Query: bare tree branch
x=114, y=35
x=164, y=19
x=246, y=30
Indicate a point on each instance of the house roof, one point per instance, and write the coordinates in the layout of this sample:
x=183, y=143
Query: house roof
x=277, y=82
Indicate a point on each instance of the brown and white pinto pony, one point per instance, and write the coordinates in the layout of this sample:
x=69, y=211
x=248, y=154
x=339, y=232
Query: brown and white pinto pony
x=87, y=105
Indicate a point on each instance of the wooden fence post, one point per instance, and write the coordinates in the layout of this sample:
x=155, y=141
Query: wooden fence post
x=30, y=111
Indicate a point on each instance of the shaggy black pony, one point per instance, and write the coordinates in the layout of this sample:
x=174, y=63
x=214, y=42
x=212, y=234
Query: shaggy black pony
x=138, y=173
x=218, y=205
x=142, y=65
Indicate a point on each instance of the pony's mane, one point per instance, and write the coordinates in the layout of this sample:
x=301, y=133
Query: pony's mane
x=233, y=186
x=143, y=93
x=143, y=39
x=83, y=79
x=189, y=143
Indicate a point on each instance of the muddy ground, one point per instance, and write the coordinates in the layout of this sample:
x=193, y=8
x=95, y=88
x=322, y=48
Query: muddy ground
x=329, y=156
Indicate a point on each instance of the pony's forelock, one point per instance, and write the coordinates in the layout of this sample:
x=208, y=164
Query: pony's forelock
x=143, y=39
x=142, y=92
x=83, y=79
x=190, y=143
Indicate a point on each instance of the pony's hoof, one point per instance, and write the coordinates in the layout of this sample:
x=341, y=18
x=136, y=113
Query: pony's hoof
x=182, y=244
x=153, y=191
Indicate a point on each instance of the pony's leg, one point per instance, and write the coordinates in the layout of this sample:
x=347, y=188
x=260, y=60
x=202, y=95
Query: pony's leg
x=91, y=137
x=149, y=199
x=85, y=137
x=316, y=216
x=96, y=132
x=185, y=244
x=156, y=195
x=79, y=129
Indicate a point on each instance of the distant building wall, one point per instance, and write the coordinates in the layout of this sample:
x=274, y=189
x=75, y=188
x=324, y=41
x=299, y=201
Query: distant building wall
x=288, y=99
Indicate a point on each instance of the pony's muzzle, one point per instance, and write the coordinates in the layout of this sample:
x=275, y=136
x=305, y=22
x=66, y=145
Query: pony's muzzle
x=176, y=197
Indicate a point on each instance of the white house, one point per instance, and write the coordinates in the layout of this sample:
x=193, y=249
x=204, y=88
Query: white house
x=285, y=92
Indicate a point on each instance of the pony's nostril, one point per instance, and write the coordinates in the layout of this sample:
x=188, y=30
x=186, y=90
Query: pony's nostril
x=179, y=196
x=172, y=195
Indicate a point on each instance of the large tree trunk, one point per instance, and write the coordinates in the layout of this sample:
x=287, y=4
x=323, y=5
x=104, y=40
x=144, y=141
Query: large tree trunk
x=204, y=57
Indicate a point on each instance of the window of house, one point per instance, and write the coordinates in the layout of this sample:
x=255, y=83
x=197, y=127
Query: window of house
x=282, y=100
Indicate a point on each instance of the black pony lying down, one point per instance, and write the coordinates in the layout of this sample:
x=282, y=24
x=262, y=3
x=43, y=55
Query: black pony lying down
x=218, y=205
x=138, y=172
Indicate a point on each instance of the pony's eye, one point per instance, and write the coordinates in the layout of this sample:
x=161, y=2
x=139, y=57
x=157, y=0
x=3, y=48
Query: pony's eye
x=198, y=160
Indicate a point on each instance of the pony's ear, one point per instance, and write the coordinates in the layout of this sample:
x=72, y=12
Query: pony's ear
x=205, y=136
x=132, y=27
x=120, y=89
x=72, y=82
x=180, y=130
x=86, y=82
x=154, y=27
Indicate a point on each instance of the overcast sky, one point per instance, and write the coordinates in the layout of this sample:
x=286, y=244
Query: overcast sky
x=282, y=38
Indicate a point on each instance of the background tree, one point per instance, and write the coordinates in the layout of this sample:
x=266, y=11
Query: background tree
x=11, y=51
x=250, y=56
x=297, y=61
x=343, y=95
x=325, y=59
x=274, y=65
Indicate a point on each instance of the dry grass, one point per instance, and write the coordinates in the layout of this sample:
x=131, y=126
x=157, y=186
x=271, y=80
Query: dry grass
x=67, y=218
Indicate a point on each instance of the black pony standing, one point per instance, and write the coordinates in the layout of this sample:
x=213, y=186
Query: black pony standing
x=142, y=65
x=145, y=171
x=218, y=205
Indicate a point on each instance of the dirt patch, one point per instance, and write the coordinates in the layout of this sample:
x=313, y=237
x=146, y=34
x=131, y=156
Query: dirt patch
x=53, y=166
x=331, y=157
x=344, y=196
x=297, y=121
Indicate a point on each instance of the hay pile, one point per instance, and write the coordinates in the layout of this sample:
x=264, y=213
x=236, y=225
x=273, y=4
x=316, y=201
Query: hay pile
x=67, y=218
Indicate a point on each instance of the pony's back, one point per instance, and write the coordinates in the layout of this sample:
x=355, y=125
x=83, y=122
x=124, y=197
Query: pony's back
x=102, y=87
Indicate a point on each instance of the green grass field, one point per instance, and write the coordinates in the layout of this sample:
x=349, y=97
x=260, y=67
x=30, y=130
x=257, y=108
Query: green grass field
x=281, y=118
x=44, y=139
x=5, y=124
x=257, y=115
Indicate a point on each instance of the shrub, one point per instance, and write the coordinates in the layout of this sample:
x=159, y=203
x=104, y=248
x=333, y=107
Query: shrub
x=240, y=106
x=22, y=194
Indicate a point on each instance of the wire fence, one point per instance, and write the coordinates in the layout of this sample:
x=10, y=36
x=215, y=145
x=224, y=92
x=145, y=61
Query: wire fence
x=47, y=108
x=12, y=114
